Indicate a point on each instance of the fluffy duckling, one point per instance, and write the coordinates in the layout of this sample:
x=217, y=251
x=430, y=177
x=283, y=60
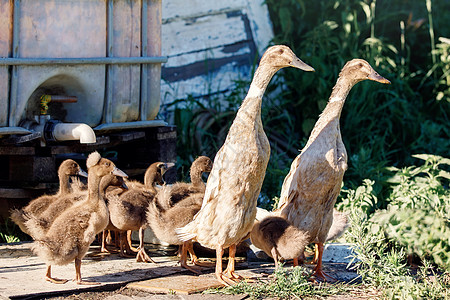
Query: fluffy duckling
x=338, y=226
x=128, y=210
x=71, y=234
x=181, y=190
x=310, y=189
x=229, y=205
x=164, y=222
x=37, y=206
x=107, y=182
x=278, y=238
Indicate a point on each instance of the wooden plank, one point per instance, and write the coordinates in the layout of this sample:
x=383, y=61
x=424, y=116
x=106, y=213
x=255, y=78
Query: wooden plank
x=178, y=284
x=13, y=140
x=127, y=136
x=181, y=36
x=5, y=150
x=102, y=141
x=21, y=193
x=175, y=9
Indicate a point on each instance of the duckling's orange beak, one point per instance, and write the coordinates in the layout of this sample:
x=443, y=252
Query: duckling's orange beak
x=297, y=63
x=378, y=78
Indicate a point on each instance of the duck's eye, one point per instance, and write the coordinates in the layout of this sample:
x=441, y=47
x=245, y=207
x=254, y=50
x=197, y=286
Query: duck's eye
x=107, y=164
x=281, y=51
x=360, y=65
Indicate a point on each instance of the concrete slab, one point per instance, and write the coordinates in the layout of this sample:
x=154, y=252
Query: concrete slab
x=338, y=253
x=22, y=273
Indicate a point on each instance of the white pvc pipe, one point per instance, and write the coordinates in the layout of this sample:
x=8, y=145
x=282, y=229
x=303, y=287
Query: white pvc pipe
x=74, y=132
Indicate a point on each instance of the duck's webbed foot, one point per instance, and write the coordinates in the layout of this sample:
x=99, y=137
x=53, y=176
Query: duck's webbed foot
x=56, y=280
x=142, y=256
x=48, y=277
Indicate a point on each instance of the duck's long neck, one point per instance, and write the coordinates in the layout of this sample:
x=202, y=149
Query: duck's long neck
x=94, y=188
x=149, y=180
x=251, y=106
x=64, y=186
x=196, y=177
x=333, y=109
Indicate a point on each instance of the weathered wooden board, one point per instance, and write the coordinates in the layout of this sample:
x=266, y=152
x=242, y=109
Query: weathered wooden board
x=210, y=44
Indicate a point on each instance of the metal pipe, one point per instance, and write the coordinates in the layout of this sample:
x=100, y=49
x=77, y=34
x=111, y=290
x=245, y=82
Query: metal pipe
x=15, y=54
x=109, y=70
x=74, y=132
x=144, y=71
x=8, y=61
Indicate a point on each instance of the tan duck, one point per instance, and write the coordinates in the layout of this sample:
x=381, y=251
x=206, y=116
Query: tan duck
x=278, y=238
x=229, y=205
x=37, y=206
x=128, y=210
x=71, y=234
x=181, y=190
x=310, y=189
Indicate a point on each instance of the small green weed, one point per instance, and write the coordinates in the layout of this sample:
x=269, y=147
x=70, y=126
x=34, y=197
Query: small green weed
x=285, y=284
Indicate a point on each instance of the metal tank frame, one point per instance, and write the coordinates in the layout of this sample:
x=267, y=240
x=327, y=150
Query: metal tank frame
x=30, y=155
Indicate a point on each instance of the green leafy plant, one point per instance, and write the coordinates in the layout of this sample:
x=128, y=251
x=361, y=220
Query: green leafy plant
x=381, y=259
x=418, y=214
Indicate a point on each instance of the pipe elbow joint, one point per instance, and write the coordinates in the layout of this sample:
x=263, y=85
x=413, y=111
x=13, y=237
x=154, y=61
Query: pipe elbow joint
x=74, y=131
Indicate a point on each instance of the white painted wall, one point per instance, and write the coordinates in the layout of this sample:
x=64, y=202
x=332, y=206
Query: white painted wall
x=210, y=44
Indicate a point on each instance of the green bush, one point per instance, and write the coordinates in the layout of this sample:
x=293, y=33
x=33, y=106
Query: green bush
x=418, y=214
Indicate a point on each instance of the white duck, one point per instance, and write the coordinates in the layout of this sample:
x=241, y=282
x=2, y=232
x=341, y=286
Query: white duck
x=310, y=189
x=229, y=205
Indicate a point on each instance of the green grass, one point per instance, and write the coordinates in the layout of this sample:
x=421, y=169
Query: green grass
x=287, y=283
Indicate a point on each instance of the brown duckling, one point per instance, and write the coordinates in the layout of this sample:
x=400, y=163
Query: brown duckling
x=309, y=191
x=278, y=238
x=128, y=210
x=164, y=222
x=229, y=205
x=71, y=234
x=181, y=190
x=37, y=206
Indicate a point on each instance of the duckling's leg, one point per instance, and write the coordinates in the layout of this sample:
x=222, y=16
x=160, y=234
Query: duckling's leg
x=123, y=244
x=219, y=274
x=130, y=242
x=231, y=264
x=48, y=277
x=104, y=249
x=318, y=272
x=274, y=253
x=183, y=260
x=78, y=274
x=194, y=258
x=142, y=256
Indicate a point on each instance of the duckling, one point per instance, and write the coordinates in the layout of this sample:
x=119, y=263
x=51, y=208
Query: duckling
x=71, y=234
x=164, y=222
x=310, y=189
x=278, y=238
x=37, y=206
x=182, y=190
x=106, y=183
x=229, y=205
x=338, y=226
x=128, y=210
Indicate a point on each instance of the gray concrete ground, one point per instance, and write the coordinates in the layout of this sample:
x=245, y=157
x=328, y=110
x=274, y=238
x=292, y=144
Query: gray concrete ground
x=22, y=274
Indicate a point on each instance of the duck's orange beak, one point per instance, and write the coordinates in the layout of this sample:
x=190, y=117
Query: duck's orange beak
x=378, y=78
